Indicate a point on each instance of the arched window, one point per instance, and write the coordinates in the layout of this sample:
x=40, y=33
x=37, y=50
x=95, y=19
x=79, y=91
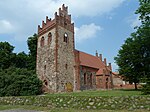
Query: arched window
x=49, y=38
x=42, y=42
x=66, y=37
x=45, y=82
x=84, y=78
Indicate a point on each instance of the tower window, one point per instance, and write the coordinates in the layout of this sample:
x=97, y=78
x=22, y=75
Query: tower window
x=42, y=42
x=66, y=37
x=49, y=38
x=44, y=69
x=66, y=66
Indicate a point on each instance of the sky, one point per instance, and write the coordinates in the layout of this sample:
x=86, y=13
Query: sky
x=101, y=25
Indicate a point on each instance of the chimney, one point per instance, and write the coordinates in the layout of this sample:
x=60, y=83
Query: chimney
x=96, y=54
x=100, y=57
x=110, y=66
x=105, y=61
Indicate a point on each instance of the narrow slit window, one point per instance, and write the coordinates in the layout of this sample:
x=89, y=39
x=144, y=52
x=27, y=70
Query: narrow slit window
x=49, y=38
x=84, y=78
x=44, y=69
x=66, y=66
x=42, y=42
x=91, y=78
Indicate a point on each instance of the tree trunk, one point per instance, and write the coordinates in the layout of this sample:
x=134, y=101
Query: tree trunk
x=135, y=84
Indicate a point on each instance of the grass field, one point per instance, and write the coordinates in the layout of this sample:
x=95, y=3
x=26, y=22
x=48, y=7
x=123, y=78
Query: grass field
x=121, y=92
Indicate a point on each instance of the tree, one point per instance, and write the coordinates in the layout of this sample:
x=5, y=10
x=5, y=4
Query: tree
x=6, y=55
x=19, y=82
x=144, y=32
x=21, y=60
x=134, y=56
x=128, y=60
x=32, y=46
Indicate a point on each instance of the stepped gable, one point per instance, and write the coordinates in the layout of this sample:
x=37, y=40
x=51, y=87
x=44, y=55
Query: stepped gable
x=62, y=19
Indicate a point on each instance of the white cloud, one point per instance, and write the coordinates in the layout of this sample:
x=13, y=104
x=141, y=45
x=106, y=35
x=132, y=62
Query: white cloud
x=5, y=26
x=77, y=7
x=135, y=22
x=25, y=15
x=92, y=7
x=86, y=32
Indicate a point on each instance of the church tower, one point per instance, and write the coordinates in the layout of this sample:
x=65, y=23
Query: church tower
x=55, y=52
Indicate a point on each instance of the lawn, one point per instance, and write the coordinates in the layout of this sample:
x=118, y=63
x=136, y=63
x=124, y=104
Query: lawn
x=120, y=92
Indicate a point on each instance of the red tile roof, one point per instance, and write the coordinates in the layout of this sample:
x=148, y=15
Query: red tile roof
x=90, y=60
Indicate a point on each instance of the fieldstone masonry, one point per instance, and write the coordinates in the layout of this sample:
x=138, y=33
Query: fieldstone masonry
x=59, y=65
x=55, y=59
x=82, y=102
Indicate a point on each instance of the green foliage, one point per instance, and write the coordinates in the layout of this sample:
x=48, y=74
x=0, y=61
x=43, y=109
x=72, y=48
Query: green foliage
x=133, y=58
x=144, y=11
x=6, y=55
x=16, y=82
x=144, y=32
x=21, y=60
x=17, y=71
x=32, y=46
x=129, y=59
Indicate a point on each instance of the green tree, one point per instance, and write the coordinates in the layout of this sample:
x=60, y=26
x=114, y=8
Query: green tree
x=134, y=56
x=32, y=46
x=19, y=82
x=21, y=60
x=144, y=32
x=128, y=60
x=6, y=55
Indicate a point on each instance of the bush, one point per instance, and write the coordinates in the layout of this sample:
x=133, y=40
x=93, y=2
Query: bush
x=19, y=82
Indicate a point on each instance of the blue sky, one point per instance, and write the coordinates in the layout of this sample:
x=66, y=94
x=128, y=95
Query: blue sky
x=100, y=25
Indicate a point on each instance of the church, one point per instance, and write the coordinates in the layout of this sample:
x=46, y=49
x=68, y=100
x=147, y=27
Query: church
x=60, y=66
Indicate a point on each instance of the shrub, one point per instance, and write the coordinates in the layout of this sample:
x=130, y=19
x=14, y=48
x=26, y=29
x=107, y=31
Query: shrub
x=19, y=82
